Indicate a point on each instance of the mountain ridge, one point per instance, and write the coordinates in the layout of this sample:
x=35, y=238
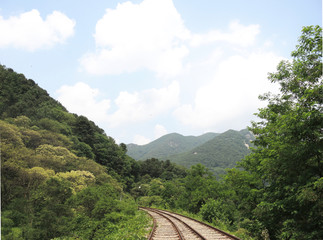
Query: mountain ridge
x=169, y=144
x=217, y=151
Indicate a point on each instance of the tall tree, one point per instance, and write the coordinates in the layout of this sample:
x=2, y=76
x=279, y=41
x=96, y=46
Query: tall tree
x=289, y=143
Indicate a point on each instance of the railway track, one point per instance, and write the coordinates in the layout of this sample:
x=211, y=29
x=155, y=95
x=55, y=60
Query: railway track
x=169, y=226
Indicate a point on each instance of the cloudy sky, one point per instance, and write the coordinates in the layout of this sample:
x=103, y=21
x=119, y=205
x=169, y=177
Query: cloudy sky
x=144, y=68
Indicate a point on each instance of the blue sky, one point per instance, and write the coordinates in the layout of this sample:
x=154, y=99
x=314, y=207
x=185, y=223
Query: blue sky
x=142, y=69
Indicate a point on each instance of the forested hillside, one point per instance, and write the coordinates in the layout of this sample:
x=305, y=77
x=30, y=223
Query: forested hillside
x=216, y=151
x=167, y=145
x=62, y=177
x=22, y=97
x=57, y=168
x=222, y=152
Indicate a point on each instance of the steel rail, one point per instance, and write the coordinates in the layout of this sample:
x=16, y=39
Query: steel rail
x=184, y=223
x=151, y=236
x=209, y=226
x=195, y=232
x=153, y=230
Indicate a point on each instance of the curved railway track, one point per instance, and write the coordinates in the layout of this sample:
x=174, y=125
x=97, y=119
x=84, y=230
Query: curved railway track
x=169, y=226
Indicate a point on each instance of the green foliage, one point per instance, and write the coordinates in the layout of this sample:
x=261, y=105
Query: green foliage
x=79, y=179
x=188, y=193
x=216, y=211
x=288, y=158
x=54, y=126
x=151, y=201
x=51, y=213
x=223, y=151
x=200, y=185
x=46, y=190
x=82, y=149
x=102, y=214
x=160, y=169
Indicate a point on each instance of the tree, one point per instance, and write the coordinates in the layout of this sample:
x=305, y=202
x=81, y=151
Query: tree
x=288, y=157
x=152, y=167
x=51, y=211
x=200, y=185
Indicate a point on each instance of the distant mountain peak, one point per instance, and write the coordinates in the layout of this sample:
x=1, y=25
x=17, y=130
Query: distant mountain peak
x=167, y=145
x=216, y=151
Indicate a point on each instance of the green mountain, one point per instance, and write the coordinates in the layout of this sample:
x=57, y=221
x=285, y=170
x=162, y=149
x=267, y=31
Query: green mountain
x=215, y=151
x=218, y=153
x=167, y=145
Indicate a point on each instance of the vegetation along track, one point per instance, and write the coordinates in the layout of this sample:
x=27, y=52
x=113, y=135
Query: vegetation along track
x=168, y=225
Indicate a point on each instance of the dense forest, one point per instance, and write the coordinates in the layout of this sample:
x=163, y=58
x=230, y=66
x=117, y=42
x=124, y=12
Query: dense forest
x=63, y=177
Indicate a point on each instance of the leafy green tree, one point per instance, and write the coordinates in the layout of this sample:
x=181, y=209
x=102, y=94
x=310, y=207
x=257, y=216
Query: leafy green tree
x=218, y=211
x=200, y=185
x=51, y=211
x=156, y=187
x=22, y=121
x=79, y=179
x=10, y=134
x=288, y=157
x=54, y=126
x=82, y=149
x=161, y=169
x=243, y=189
x=152, y=167
x=32, y=139
x=84, y=130
x=55, y=139
x=56, y=158
x=172, y=192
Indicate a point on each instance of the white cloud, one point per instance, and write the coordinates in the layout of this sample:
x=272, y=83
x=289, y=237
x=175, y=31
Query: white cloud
x=232, y=93
x=81, y=99
x=131, y=107
x=160, y=131
x=133, y=37
x=238, y=34
x=140, y=106
x=140, y=140
x=30, y=32
x=152, y=36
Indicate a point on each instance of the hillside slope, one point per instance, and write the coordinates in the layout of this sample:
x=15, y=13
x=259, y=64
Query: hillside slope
x=167, y=145
x=23, y=97
x=62, y=177
x=218, y=153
